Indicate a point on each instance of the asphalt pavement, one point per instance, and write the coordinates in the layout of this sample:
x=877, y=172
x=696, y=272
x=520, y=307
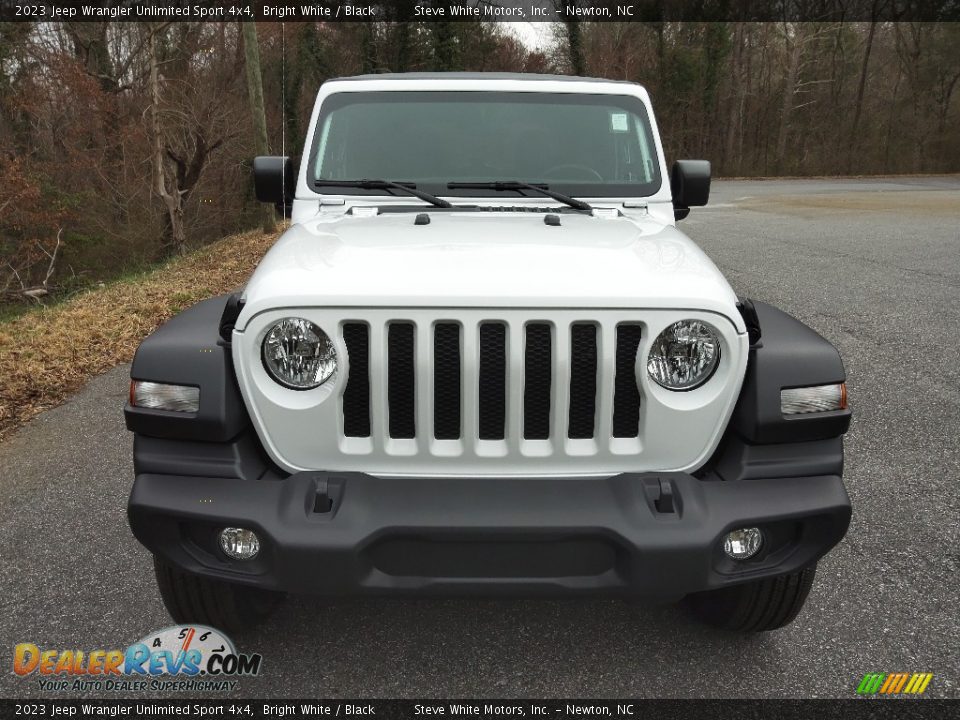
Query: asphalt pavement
x=873, y=265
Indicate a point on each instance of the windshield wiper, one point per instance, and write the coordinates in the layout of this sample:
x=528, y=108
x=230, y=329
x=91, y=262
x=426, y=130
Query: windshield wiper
x=517, y=185
x=407, y=187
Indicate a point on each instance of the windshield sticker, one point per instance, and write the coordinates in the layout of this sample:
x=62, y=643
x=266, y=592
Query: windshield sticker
x=618, y=122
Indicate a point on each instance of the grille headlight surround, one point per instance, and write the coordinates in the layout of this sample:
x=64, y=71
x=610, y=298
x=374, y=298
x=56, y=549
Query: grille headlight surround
x=297, y=354
x=684, y=356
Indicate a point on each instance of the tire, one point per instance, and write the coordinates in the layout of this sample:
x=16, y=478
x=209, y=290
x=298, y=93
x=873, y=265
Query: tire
x=226, y=606
x=756, y=606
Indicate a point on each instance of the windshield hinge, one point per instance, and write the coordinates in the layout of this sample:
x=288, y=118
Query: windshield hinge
x=332, y=201
x=635, y=204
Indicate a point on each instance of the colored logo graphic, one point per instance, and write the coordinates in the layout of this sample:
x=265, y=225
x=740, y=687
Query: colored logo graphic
x=184, y=651
x=894, y=683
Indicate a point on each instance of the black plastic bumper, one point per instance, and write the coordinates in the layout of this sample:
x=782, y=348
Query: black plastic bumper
x=656, y=535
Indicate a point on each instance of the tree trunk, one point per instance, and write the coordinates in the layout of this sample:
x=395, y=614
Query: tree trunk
x=177, y=237
x=251, y=53
x=732, y=164
x=794, y=51
x=90, y=48
x=892, y=104
x=911, y=49
x=446, y=51
x=578, y=63
x=661, y=55
x=861, y=87
x=404, y=13
x=369, y=48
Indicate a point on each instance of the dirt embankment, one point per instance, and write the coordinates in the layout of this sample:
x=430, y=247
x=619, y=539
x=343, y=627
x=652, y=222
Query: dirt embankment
x=49, y=353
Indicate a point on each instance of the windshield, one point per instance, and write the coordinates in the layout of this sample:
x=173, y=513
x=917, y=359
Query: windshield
x=580, y=145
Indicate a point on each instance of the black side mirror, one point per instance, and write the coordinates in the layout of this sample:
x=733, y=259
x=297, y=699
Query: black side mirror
x=690, y=185
x=275, y=181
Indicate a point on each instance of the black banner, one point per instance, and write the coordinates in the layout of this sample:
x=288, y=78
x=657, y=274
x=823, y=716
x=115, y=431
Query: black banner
x=874, y=709
x=477, y=10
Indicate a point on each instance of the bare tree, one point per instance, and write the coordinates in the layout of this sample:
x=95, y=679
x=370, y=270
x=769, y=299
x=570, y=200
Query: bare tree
x=731, y=157
x=573, y=35
x=184, y=136
x=798, y=38
x=255, y=91
x=875, y=9
x=171, y=197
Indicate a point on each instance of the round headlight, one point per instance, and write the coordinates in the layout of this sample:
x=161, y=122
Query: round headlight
x=684, y=355
x=298, y=354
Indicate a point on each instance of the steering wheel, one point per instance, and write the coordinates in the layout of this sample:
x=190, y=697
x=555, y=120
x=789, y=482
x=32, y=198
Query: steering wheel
x=571, y=166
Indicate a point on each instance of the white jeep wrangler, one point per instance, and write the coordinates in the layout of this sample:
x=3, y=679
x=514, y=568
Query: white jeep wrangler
x=484, y=360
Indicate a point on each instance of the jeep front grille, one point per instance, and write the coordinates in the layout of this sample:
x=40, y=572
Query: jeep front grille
x=556, y=369
x=489, y=392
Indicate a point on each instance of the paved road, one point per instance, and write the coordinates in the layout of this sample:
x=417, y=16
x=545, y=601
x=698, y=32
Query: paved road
x=874, y=266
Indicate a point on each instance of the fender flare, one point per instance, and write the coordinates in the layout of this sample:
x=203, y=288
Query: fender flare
x=188, y=350
x=787, y=354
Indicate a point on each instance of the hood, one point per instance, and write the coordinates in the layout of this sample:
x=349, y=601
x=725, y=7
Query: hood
x=487, y=259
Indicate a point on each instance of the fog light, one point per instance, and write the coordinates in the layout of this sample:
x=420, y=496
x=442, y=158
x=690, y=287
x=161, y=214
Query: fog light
x=743, y=543
x=239, y=543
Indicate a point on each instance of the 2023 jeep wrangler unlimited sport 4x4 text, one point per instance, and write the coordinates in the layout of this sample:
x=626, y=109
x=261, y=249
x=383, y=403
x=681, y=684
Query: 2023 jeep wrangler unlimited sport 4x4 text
x=483, y=359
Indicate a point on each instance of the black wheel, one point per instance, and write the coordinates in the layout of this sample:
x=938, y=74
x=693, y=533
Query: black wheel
x=225, y=606
x=754, y=606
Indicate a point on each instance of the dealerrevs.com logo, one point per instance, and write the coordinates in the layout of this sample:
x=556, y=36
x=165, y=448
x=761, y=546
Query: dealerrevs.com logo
x=180, y=657
x=894, y=683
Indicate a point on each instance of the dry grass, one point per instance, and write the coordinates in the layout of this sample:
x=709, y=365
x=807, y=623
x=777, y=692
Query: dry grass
x=49, y=353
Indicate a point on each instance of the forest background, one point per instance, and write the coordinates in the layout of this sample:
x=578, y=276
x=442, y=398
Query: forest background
x=123, y=145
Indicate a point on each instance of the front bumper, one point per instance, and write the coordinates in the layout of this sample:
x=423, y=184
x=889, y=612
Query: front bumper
x=653, y=535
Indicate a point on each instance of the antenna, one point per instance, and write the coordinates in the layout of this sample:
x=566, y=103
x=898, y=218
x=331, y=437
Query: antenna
x=283, y=110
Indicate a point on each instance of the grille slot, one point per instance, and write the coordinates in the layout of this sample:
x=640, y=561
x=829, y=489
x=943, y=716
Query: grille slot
x=356, y=395
x=537, y=379
x=626, y=396
x=583, y=381
x=493, y=381
x=446, y=384
x=401, y=385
